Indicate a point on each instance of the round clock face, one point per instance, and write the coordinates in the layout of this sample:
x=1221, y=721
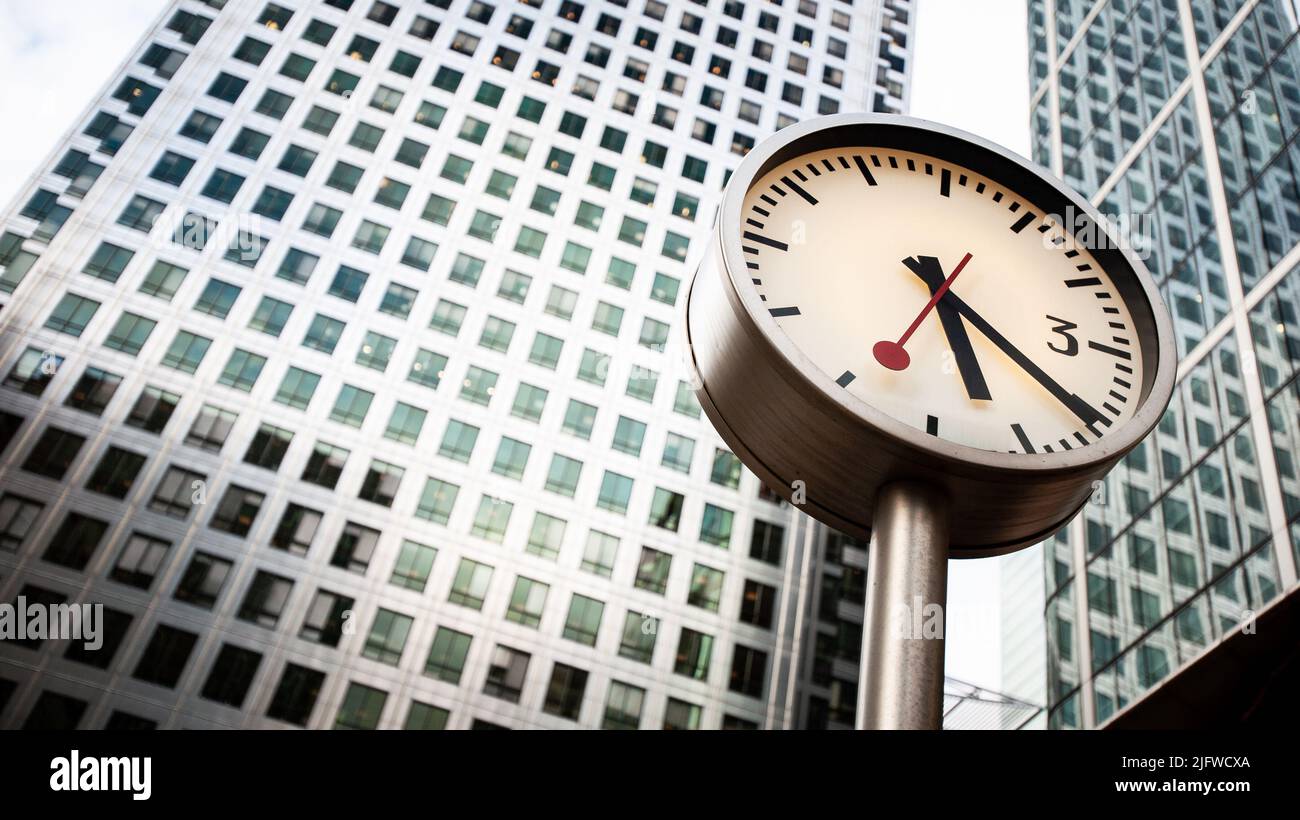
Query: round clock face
x=943, y=299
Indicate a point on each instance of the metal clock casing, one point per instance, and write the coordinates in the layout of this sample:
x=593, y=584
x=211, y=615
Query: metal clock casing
x=789, y=421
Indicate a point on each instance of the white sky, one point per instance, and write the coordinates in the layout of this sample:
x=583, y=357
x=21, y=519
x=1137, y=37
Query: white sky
x=970, y=72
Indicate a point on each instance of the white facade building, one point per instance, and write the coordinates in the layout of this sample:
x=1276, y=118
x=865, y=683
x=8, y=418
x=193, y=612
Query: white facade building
x=335, y=349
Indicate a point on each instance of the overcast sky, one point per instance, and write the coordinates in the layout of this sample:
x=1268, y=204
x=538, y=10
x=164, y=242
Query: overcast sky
x=970, y=72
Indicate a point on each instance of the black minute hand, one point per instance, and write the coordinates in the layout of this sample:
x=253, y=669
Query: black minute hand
x=1086, y=412
x=928, y=269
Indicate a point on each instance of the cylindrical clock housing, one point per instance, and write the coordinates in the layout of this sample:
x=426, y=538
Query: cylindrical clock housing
x=828, y=451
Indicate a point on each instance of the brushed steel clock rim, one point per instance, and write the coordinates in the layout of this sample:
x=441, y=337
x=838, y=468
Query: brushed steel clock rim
x=1158, y=366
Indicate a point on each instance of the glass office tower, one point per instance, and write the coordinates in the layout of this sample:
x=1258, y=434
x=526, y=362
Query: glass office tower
x=337, y=362
x=1180, y=116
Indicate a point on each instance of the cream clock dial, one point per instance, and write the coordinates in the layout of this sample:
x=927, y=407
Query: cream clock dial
x=943, y=298
x=891, y=301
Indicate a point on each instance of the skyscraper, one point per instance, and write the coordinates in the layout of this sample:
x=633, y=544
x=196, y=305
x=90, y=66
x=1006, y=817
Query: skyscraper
x=1178, y=118
x=337, y=365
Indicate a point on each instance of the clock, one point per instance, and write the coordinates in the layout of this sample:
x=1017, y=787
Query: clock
x=885, y=298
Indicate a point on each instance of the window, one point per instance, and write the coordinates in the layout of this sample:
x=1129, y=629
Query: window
x=323, y=334
x=681, y=715
x=583, y=622
x=186, y=352
x=375, y=351
x=270, y=316
x=575, y=258
x=678, y=451
x=296, y=694
x=17, y=515
x=615, y=491
x=694, y=650
x=297, y=529
x=231, y=675
x=93, y=390
x=325, y=618
x=497, y=333
x=211, y=428
x=447, y=655
x=470, y=585
x=172, y=168
x=265, y=599
x=72, y=314
x=225, y=184
x=560, y=302
x=598, y=555
x=623, y=706
x=348, y=283
x=405, y=423
x=706, y=588
x=414, y=563
x=227, y=87
x=152, y=409
x=387, y=637
x=715, y=528
x=505, y=678
x=163, y=280
x=430, y=114
x=203, y=580
x=217, y=298
x=664, y=289
x=437, y=501
x=355, y=548
x=546, y=536
x=115, y=473
x=639, y=634
x=75, y=541
x=666, y=509
x=53, y=453
x=428, y=368
x=33, y=371
x=757, y=604
x=565, y=691
x=628, y=436
x=726, y=469
x=511, y=458
x=139, y=560
x=242, y=370
x=608, y=318
x=200, y=126
x=380, y=483
x=325, y=465
x=514, y=286
x=748, y=669
x=320, y=120
x=361, y=707
x=559, y=161
x=108, y=262
x=237, y=510
x=458, y=441
x=546, y=350
x=492, y=518
x=527, y=602
x=323, y=220
x=466, y=269
x=562, y=477
x=165, y=656
x=479, y=386
x=351, y=406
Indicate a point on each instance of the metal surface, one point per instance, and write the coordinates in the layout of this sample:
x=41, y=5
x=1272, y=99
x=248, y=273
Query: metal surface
x=907, y=584
x=789, y=422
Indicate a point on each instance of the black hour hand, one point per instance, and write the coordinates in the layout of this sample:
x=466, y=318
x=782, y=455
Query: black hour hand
x=929, y=271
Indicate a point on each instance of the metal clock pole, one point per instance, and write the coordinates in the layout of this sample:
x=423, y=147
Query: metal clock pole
x=901, y=682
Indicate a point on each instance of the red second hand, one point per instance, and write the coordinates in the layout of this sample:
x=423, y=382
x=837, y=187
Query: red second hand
x=891, y=354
